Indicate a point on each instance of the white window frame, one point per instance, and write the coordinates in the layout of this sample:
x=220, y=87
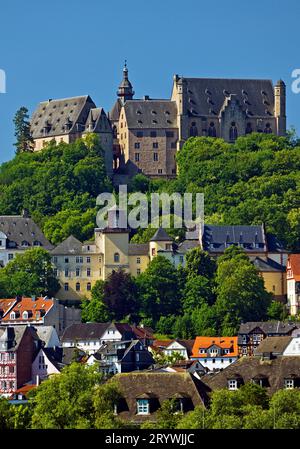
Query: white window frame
x=142, y=406
x=232, y=385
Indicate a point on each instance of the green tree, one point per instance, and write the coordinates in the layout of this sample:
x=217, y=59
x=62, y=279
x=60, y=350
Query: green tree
x=199, y=263
x=158, y=289
x=277, y=311
x=22, y=131
x=29, y=274
x=65, y=401
x=167, y=417
x=94, y=309
x=5, y=414
x=106, y=397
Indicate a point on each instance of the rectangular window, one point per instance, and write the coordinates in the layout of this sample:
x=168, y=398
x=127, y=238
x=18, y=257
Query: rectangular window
x=232, y=385
x=88, y=260
x=137, y=145
x=159, y=171
x=142, y=407
x=66, y=260
x=66, y=287
x=10, y=256
x=55, y=259
x=66, y=273
x=289, y=384
x=138, y=260
x=77, y=272
x=155, y=144
x=138, y=271
x=155, y=157
x=79, y=259
x=88, y=272
x=136, y=157
x=55, y=272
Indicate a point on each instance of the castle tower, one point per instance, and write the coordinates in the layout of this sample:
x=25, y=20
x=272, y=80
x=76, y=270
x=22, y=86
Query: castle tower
x=161, y=241
x=280, y=107
x=125, y=91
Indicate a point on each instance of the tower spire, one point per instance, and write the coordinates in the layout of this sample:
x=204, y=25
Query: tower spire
x=125, y=91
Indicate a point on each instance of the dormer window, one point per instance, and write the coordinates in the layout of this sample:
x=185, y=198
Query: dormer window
x=232, y=384
x=24, y=243
x=12, y=316
x=143, y=406
x=25, y=315
x=289, y=384
x=37, y=243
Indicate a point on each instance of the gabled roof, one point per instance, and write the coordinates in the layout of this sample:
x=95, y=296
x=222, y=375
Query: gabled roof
x=206, y=96
x=84, y=331
x=21, y=228
x=6, y=305
x=97, y=121
x=275, y=345
x=37, y=308
x=161, y=236
x=221, y=342
x=114, y=113
x=151, y=114
x=56, y=114
x=69, y=246
x=268, y=327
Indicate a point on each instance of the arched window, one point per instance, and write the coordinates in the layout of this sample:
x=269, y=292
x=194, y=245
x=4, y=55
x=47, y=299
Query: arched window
x=25, y=243
x=12, y=316
x=193, y=130
x=268, y=129
x=249, y=129
x=25, y=315
x=88, y=286
x=78, y=286
x=212, y=130
x=37, y=243
x=233, y=132
x=116, y=257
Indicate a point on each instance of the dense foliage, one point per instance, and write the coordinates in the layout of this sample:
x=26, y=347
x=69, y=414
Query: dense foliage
x=29, y=274
x=58, y=186
x=204, y=298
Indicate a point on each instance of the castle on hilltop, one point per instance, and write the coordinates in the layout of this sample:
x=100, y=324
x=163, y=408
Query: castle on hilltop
x=143, y=135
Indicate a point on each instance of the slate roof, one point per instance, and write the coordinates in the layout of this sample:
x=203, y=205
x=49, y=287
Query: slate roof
x=215, y=238
x=268, y=327
x=84, y=331
x=69, y=246
x=267, y=265
x=206, y=96
x=56, y=114
x=21, y=228
x=161, y=236
x=114, y=113
x=45, y=333
x=14, y=334
x=274, y=372
x=275, y=345
x=97, y=121
x=152, y=114
x=138, y=249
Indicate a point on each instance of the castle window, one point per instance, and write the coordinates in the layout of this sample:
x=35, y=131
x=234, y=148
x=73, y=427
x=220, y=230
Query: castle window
x=136, y=157
x=88, y=272
x=88, y=286
x=193, y=130
x=268, y=129
x=116, y=257
x=212, y=130
x=249, y=128
x=137, y=145
x=78, y=286
x=155, y=157
x=159, y=171
x=88, y=259
x=233, y=132
x=155, y=144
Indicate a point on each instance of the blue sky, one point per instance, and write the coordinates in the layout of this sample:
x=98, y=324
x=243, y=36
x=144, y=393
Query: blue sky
x=56, y=49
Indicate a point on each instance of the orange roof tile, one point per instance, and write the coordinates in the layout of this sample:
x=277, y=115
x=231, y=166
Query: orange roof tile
x=33, y=307
x=294, y=262
x=221, y=342
x=6, y=304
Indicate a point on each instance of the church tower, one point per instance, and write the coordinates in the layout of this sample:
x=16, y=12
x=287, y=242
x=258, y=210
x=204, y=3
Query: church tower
x=125, y=91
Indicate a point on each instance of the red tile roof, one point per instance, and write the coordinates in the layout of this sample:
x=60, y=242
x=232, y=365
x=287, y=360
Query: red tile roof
x=36, y=309
x=6, y=305
x=222, y=342
x=294, y=263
